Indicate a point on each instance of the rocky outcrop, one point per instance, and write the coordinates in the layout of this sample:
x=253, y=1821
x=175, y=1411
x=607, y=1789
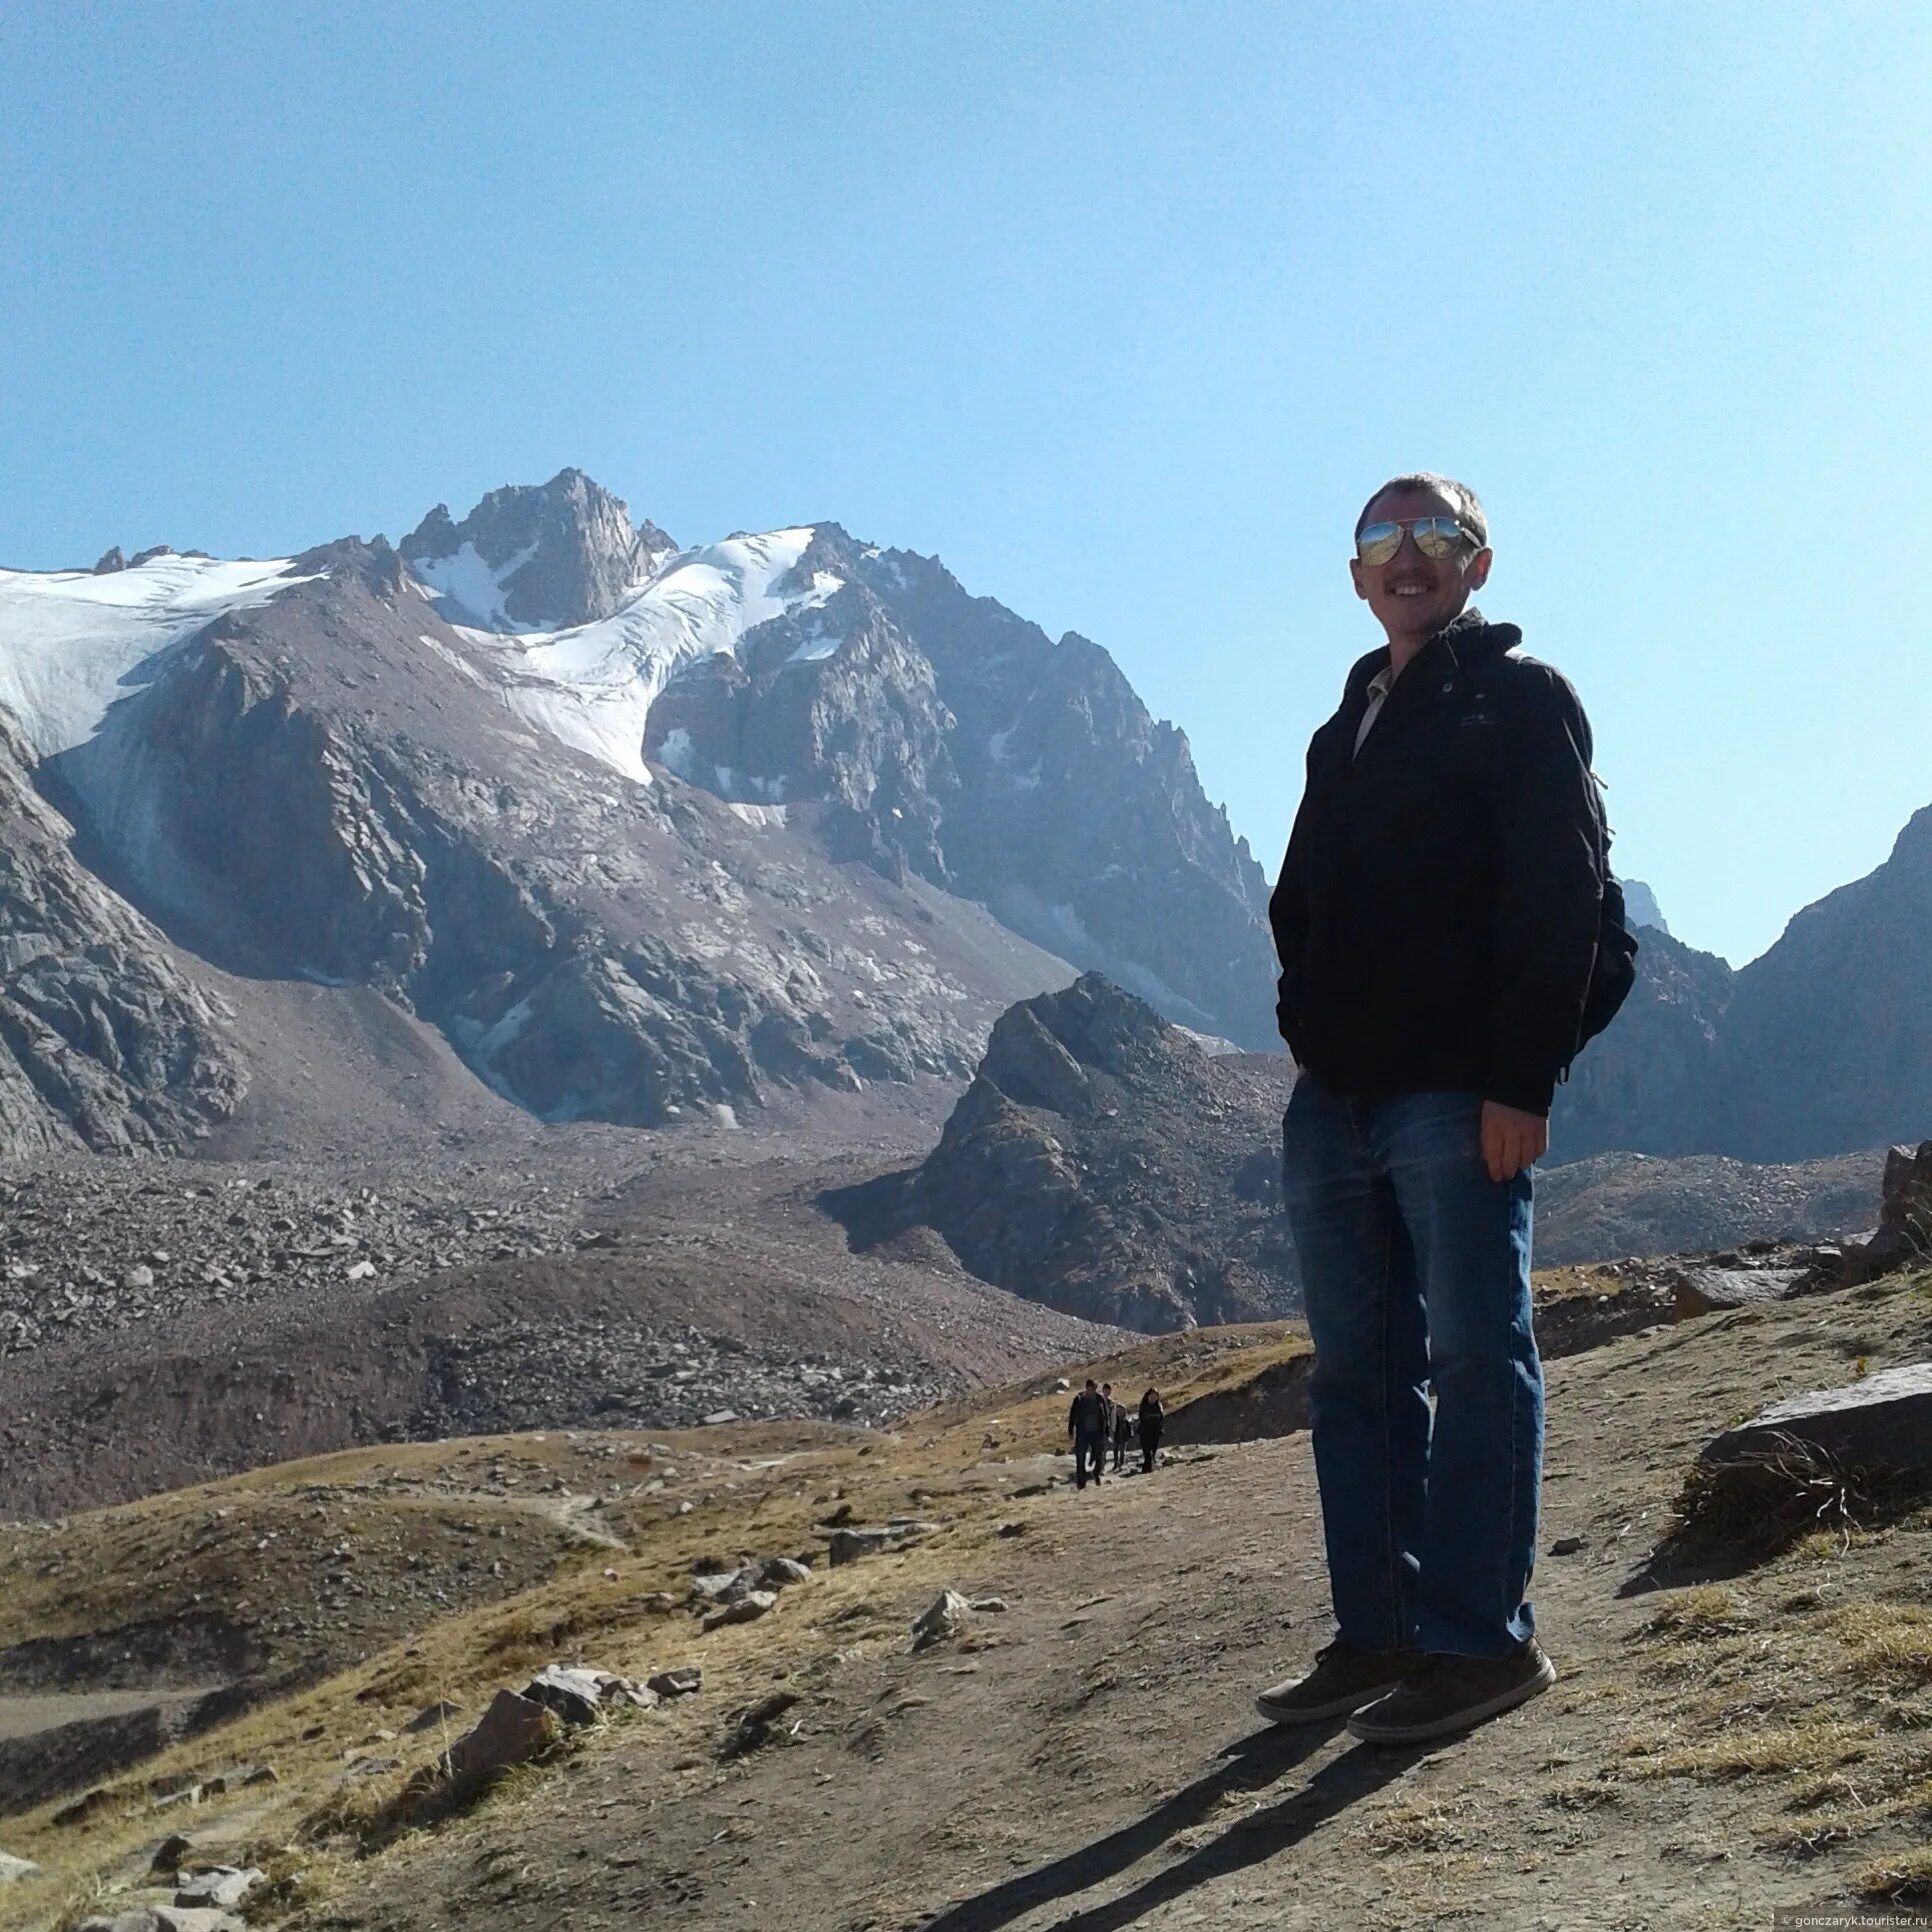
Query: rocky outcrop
x=1651, y=1083
x=1102, y=1163
x=104, y=1042
x=1827, y=1042
x=531, y=558
x=1641, y=908
x=1079, y=819
x=831, y=705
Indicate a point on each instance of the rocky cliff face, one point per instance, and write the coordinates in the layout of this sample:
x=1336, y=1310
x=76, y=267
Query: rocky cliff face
x=1827, y=1043
x=1651, y=1083
x=535, y=558
x=104, y=1042
x=1103, y=1164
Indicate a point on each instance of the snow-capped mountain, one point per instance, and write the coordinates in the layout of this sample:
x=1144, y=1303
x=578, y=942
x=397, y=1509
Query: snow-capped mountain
x=633, y=827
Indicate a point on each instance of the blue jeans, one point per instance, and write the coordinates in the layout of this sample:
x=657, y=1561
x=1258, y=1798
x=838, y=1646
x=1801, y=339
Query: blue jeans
x=1415, y=1268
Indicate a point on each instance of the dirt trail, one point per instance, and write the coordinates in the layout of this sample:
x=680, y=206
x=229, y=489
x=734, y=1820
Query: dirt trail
x=1097, y=1765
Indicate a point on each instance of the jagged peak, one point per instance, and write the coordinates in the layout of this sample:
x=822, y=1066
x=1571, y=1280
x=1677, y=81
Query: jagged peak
x=535, y=556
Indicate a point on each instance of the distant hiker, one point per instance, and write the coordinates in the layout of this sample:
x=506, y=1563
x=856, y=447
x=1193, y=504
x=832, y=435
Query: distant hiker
x=1123, y=1432
x=1449, y=935
x=1087, y=1422
x=1153, y=1419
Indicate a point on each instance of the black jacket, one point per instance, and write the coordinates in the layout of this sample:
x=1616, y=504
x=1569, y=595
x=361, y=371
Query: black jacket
x=1090, y=1414
x=1437, y=912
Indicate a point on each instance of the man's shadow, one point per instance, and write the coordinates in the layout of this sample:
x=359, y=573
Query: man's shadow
x=1250, y=1764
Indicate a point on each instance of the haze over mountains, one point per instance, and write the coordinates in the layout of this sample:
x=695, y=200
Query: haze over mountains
x=642, y=832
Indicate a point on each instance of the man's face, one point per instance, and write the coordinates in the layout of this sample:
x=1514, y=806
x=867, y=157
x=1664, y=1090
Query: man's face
x=1413, y=596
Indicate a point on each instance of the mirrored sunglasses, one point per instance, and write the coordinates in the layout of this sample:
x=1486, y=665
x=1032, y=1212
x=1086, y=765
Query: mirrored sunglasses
x=1434, y=537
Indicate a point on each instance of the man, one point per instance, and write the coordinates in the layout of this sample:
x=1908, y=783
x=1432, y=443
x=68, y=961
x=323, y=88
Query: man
x=1087, y=1421
x=1437, y=920
x=1113, y=1415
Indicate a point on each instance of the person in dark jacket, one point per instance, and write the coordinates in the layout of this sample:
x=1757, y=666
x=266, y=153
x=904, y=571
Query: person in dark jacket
x=1437, y=919
x=1123, y=1432
x=1087, y=1423
x=1153, y=1419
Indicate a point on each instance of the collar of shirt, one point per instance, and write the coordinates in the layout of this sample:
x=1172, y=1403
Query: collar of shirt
x=1379, y=687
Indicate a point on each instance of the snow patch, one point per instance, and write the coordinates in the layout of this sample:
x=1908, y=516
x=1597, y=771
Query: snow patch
x=450, y=658
x=72, y=643
x=762, y=815
x=593, y=686
x=473, y=586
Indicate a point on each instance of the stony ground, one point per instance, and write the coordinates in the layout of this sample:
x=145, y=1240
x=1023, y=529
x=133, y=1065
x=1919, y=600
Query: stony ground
x=273, y=1309
x=1724, y=1736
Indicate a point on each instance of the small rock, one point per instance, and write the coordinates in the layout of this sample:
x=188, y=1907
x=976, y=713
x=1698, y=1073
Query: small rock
x=942, y=1619
x=680, y=1682
x=1011, y=1529
x=12, y=1868
x=78, y=1810
x=748, y=1609
x=781, y=1570
x=753, y=1729
x=988, y=1606
x=169, y=1853
x=221, y=1885
x=1566, y=1546
x=848, y=1545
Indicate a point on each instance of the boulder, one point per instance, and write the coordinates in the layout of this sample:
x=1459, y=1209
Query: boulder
x=746, y=1609
x=512, y=1731
x=1703, y=1290
x=219, y=1885
x=848, y=1545
x=941, y=1620
x=580, y=1696
x=1881, y=1420
x=712, y=1587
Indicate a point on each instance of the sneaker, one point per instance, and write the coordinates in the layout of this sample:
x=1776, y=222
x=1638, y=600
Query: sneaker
x=1345, y=1678
x=1449, y=1693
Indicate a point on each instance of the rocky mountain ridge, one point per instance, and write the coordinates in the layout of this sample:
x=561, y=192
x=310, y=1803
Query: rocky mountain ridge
x=782, y=811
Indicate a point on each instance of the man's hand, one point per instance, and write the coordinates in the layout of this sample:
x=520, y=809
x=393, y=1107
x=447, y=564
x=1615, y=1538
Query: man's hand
x=1512, y=1139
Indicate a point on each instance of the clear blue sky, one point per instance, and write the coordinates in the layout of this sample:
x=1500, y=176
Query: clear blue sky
x=1120, y=308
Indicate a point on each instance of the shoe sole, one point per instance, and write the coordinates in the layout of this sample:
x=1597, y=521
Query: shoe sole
x=1363, y=1725
x=1316, y=1713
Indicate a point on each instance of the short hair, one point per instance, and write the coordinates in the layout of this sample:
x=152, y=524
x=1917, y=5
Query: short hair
x=1459, y=496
